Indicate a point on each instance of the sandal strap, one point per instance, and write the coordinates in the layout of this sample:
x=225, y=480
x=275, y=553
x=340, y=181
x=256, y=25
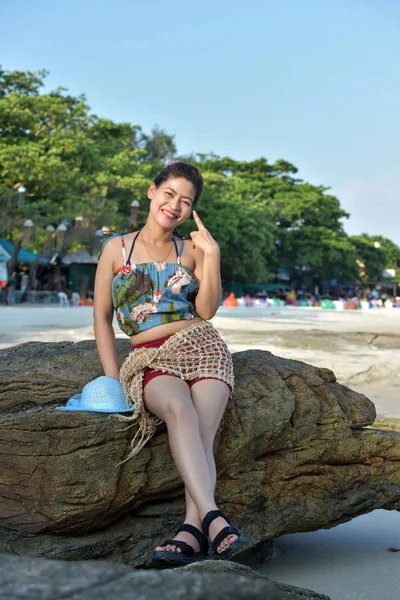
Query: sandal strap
x=223, y=534
x=209, y=518
x=186, y=549
x=196, y=533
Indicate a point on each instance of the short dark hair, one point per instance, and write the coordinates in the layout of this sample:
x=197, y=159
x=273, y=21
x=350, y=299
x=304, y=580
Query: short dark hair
x=177, y=168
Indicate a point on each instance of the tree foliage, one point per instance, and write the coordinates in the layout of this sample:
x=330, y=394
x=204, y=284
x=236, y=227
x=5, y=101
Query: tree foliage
x=74, y=163
x=311, y=234
x=374, y=254
x=70, y=161
x=242, y=224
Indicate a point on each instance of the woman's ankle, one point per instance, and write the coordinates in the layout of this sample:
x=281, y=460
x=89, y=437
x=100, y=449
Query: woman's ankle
x=210, y=508
x=193, y=520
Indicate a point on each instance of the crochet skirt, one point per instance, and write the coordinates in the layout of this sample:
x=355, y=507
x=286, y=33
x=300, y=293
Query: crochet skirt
x=197, y=351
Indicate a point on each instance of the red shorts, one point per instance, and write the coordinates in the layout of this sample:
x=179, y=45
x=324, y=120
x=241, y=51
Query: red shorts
x=150, y=374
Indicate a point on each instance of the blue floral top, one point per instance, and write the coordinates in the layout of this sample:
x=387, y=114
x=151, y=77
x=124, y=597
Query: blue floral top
x=149, y=294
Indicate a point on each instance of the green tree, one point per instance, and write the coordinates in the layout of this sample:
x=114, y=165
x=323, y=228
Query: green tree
x=311, y=235
x=374, y=255
x=234, y=209
x=76, y=164
x=264, y=217
x=391, y=250
x=70, y=161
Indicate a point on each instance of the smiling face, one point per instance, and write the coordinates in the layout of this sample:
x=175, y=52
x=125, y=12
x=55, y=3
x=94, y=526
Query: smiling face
x=171, y=202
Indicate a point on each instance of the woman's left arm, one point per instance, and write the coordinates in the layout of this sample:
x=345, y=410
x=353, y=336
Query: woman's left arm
x=207, y=270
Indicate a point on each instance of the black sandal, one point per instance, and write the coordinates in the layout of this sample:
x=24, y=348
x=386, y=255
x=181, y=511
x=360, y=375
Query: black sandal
x=233, y=549
x=187, y=554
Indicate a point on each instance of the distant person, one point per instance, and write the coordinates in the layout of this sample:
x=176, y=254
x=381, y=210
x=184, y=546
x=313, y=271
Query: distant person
x=282, y=297
x=375, y=294
x=62, y=299
x=248, y=300
x=9, y=291
x=18, y=279
x=356, y=301
x=24, y=282
x=75, y=298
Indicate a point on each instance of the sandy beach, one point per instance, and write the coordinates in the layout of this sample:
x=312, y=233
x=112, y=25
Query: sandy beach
x=352, y=560
x=362, y=348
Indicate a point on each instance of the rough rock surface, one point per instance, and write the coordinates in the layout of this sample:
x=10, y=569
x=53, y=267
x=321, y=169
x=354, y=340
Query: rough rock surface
x=41, y=579
x=293, y=454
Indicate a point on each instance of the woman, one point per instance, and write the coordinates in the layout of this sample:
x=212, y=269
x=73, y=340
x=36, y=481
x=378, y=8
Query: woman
x=164, y=289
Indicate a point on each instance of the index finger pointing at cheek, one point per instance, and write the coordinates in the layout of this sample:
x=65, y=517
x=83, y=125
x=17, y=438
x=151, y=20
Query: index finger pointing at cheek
x=198, y=220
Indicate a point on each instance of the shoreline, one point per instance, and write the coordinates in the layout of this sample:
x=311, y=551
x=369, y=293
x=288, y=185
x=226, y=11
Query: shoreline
x=358, y=559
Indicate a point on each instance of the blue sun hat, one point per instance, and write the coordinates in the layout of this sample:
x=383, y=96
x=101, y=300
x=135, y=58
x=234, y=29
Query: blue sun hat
x=103, y=394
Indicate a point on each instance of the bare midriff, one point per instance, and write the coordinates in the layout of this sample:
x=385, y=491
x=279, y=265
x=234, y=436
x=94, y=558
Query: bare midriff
x=162, y=330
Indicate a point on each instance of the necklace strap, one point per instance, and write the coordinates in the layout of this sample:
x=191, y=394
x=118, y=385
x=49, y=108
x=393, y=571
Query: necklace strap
x=152, y=257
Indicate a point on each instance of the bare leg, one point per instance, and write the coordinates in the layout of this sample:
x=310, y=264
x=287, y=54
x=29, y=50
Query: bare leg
x=169, y=398
x=210, y=398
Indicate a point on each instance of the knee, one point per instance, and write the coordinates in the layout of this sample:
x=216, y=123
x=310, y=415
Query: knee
x=180, y=410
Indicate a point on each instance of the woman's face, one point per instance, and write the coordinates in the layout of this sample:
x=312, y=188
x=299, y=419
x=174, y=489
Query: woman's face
x=171, y=203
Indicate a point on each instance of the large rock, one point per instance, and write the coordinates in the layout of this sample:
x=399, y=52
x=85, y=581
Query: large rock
x=293, y=454
x=41, y=579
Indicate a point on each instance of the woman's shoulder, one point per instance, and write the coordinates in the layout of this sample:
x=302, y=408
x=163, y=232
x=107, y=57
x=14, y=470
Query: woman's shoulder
x=117, y=240
x=109, y=244
x=184, y=243
x=191, y=256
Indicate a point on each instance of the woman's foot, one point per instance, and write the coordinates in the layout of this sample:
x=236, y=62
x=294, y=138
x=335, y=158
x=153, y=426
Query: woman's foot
x=216, y=526
x=226, y=539
x=188, y=545
x=181, y=536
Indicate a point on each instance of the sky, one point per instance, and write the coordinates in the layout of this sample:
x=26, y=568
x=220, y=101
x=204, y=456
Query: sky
x=315, y=82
